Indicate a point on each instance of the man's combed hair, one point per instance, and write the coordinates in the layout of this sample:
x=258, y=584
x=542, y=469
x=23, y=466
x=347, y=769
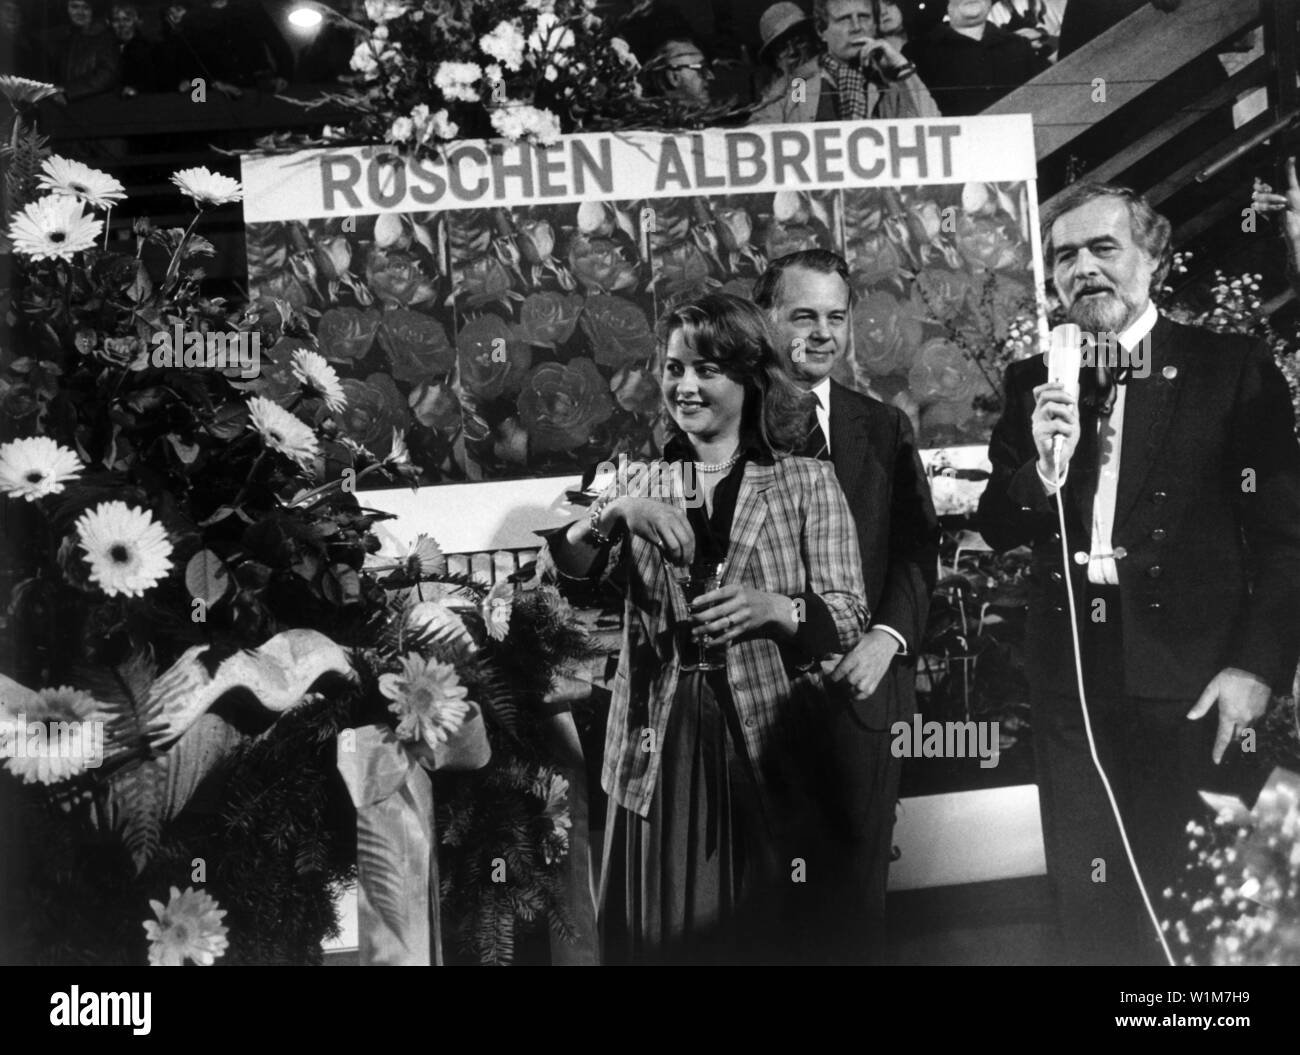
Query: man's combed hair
x=822, y=261
x=733, y=333
x=1151, y=231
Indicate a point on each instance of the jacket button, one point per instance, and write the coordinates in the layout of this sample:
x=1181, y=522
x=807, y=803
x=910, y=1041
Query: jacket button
x=1058, y=608
x=750, y=723
x=1154, y=572
x=1056, y=536
x=1055, y=576
x=1159, y=496
x=1158, y=534
x=1154, y=606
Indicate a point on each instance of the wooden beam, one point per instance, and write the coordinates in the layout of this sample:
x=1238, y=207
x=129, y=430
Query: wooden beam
x=1131, y=58
x=1176, y=181
x=1244, y=80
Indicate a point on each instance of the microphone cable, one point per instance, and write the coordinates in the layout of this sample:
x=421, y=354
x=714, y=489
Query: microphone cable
x=1087, y=722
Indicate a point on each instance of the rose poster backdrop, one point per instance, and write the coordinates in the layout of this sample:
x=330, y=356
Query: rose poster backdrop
x=496, y=304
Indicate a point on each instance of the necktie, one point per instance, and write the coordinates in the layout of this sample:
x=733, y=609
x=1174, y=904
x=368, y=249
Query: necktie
x=1107, y=379
x=815, y=445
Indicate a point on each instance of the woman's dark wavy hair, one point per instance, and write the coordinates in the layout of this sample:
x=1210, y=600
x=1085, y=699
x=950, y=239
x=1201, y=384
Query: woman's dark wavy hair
x=735, y=334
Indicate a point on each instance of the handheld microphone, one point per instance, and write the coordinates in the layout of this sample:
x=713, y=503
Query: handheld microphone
x=1064, y=361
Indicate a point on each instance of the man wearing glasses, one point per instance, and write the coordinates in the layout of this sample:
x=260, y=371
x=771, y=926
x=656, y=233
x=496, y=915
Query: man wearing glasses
x=679, y=71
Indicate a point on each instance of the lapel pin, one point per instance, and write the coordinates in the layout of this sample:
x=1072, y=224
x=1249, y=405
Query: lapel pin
x=1169, y=372
x=1081, y=557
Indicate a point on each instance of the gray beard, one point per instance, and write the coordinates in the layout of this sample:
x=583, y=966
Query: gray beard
x=1105, y=315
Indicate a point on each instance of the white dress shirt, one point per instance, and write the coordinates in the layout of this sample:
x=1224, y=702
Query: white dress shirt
x=1110, y=445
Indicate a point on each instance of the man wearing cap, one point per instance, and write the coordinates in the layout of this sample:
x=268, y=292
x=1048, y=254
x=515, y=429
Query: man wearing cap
x=858, y=76
x=679, y=71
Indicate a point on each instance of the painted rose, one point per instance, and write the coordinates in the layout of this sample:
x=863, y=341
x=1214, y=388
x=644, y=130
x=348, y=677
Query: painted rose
x=942, y=371
x=482, y=280
x=536, y=240
x=682, y=269
x=884, y=332
x=735, y=228
x=417, y=345
x=636, y=389
x=510, y=442
x=617, y=329
x=375, y=408
x=493, y=360
x=347, y=333
x=395, y=277
x=600, y=265
x=435, y=406
x=562, y=403
x=986, y=244
x=549, y=318
x=943, y=292
x=875, y=258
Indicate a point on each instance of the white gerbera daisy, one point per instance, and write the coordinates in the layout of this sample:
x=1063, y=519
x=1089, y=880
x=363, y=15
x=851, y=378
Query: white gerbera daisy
x=428, y=699
x=424, y=557
x=49, y=757
x=188, y=927
x=53, y=228
x=207, y=187
x=34, y=467
x=19, y=90
x=313, y=372
x=128, y=551
x=282, y=432
x=73, y=179
x=497, y=608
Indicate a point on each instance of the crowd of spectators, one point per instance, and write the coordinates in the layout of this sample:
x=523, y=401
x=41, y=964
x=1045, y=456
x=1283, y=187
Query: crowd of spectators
x=849, y=58
x=92, y=48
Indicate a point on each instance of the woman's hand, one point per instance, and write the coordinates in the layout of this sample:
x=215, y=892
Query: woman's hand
x=662, y=525
x=736, y=611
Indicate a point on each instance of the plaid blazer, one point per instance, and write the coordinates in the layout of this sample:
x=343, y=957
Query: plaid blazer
x=792, y=533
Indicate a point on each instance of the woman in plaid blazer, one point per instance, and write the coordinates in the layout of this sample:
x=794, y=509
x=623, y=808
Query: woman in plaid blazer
x=712, y=775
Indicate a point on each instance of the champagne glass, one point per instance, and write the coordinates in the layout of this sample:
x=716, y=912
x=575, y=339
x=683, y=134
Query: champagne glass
x=695, y=580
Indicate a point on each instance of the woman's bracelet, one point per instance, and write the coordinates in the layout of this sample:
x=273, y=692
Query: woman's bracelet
x=904, y=71
x=593, y=525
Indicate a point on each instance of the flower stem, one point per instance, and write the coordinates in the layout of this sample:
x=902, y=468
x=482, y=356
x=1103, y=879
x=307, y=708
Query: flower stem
x=174, y=265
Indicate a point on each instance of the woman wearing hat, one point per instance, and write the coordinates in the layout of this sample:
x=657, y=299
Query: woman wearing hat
x=788, y=39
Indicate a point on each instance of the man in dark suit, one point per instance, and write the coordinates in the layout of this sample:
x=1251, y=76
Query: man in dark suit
x=1180, y=485
x=808, y=297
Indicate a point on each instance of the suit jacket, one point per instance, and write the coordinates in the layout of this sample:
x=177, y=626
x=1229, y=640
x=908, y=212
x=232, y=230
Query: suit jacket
x=968, y=76
x=879, y=467
x=792, y=533
x=1207, y=510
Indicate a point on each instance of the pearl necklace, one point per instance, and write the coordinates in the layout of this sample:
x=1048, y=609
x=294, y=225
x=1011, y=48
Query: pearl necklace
x=720, y=466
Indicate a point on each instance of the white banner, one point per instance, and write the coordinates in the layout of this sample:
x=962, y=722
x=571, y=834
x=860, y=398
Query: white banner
x=362, y=181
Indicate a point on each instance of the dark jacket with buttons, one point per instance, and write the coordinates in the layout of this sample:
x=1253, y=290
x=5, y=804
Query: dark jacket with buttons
x=1207, y=512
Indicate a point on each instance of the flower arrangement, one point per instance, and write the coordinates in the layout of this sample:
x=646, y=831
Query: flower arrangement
x=176, y=529
x=429, y=71
x=1237, y=902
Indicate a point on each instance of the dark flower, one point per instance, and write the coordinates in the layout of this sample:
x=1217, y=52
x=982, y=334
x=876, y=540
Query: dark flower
x=600, y=265
x=493, y=360
x=549, y=318
x=561, y=404
x=435, y=406
x=416, y=344
x=874, y=258
x=482, y=280
x=375, y=408
x=536, y=240
x=985, y=244
x=636, y=389
x=884, y=331
x=510, y=442
x=942, y=371
x=395, y=277
x=943, y=291
x=347, y=333
x=681, y=269
x=618, y=330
